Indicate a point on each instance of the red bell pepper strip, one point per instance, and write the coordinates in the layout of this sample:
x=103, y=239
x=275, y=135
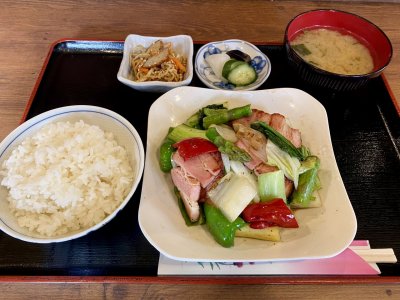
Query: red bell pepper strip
x=192, y=147
x=271, y=213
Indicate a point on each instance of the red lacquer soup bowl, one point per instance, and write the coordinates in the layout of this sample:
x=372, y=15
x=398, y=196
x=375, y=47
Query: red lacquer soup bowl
x=346, y=23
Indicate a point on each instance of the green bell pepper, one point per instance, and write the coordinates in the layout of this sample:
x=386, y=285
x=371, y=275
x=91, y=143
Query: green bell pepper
x=221, y=229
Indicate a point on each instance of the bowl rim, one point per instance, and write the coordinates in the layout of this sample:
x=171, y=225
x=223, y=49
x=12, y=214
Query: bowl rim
x=125, y=59
x=54, y=113
x=210, y=85
x=372, y=74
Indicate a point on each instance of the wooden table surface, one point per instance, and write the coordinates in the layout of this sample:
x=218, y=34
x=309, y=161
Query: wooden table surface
x=27, y=30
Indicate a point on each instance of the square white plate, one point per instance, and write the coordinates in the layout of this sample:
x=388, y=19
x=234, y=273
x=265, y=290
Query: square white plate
x=324, y=232
x=181, y=44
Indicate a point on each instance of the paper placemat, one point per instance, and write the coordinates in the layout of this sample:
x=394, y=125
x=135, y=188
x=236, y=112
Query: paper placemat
x=346, y=263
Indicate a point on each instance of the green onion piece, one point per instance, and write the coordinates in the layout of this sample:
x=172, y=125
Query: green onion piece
x=301, y=49
x=278, y=139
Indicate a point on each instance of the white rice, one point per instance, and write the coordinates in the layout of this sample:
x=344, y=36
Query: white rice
x=66, y=177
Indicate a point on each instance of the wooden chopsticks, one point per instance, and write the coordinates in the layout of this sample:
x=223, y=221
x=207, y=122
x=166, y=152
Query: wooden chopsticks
x=376, y=255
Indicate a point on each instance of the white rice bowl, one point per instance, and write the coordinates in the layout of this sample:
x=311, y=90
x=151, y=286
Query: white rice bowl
x=67, y=172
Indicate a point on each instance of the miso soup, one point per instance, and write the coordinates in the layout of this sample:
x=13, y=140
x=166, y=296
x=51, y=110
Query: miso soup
x=333, y=51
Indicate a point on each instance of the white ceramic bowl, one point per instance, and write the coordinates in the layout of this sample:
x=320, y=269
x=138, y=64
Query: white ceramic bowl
x=107, y=120
x=181, y=44
x=259, y=61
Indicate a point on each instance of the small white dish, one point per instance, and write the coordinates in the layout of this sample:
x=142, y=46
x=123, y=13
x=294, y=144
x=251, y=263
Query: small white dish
x=260, y=62
x=324, y=232
x=124, y=133
x=181, y=44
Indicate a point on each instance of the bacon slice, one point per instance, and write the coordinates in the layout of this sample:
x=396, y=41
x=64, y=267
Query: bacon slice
x=250, y=140
x=189, y=189
x=204, y=167
x=253, y=142
x=255, y=146
x=254, y=138
x=278, y=122
x=289, y=187
x=255, y=159
x=257, y=115
x=264, y=168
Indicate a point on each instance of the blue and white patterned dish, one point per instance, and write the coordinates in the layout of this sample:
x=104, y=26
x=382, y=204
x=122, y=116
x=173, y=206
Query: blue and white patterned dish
x=259, y=62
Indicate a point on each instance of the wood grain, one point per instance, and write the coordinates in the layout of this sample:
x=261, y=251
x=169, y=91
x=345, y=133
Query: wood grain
x=196, y=288
x=199, y=292
x=28, y=28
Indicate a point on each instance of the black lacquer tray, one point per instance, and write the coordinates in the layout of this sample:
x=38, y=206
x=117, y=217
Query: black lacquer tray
x=365, y=132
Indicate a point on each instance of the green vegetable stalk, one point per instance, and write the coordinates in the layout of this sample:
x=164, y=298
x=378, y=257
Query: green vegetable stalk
x=309, y=163
x=210, y=110
x=278, y=139
x=182, y=209
x=221, y=229
x=182, y=132
x=166, y=151
x=196, y=120
x=308, y=183
x=227, y=147
x=223, y=116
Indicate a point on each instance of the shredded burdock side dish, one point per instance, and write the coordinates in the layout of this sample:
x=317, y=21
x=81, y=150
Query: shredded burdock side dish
x=158, y=62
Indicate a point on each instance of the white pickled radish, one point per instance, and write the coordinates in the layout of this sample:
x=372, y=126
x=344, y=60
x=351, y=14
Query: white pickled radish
x=217, y=62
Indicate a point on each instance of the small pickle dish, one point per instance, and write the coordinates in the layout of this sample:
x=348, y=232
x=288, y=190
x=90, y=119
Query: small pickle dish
x=232, y=65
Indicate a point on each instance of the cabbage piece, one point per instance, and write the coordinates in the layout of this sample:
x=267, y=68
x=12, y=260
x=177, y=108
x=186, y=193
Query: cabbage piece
x=232, y=194
x=288, y=164
x=240, y=169
x=226, y=132
x=226, y=162
x=271, y=185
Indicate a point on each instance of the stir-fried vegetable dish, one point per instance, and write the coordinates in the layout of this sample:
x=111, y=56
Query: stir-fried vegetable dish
x=240, y=172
